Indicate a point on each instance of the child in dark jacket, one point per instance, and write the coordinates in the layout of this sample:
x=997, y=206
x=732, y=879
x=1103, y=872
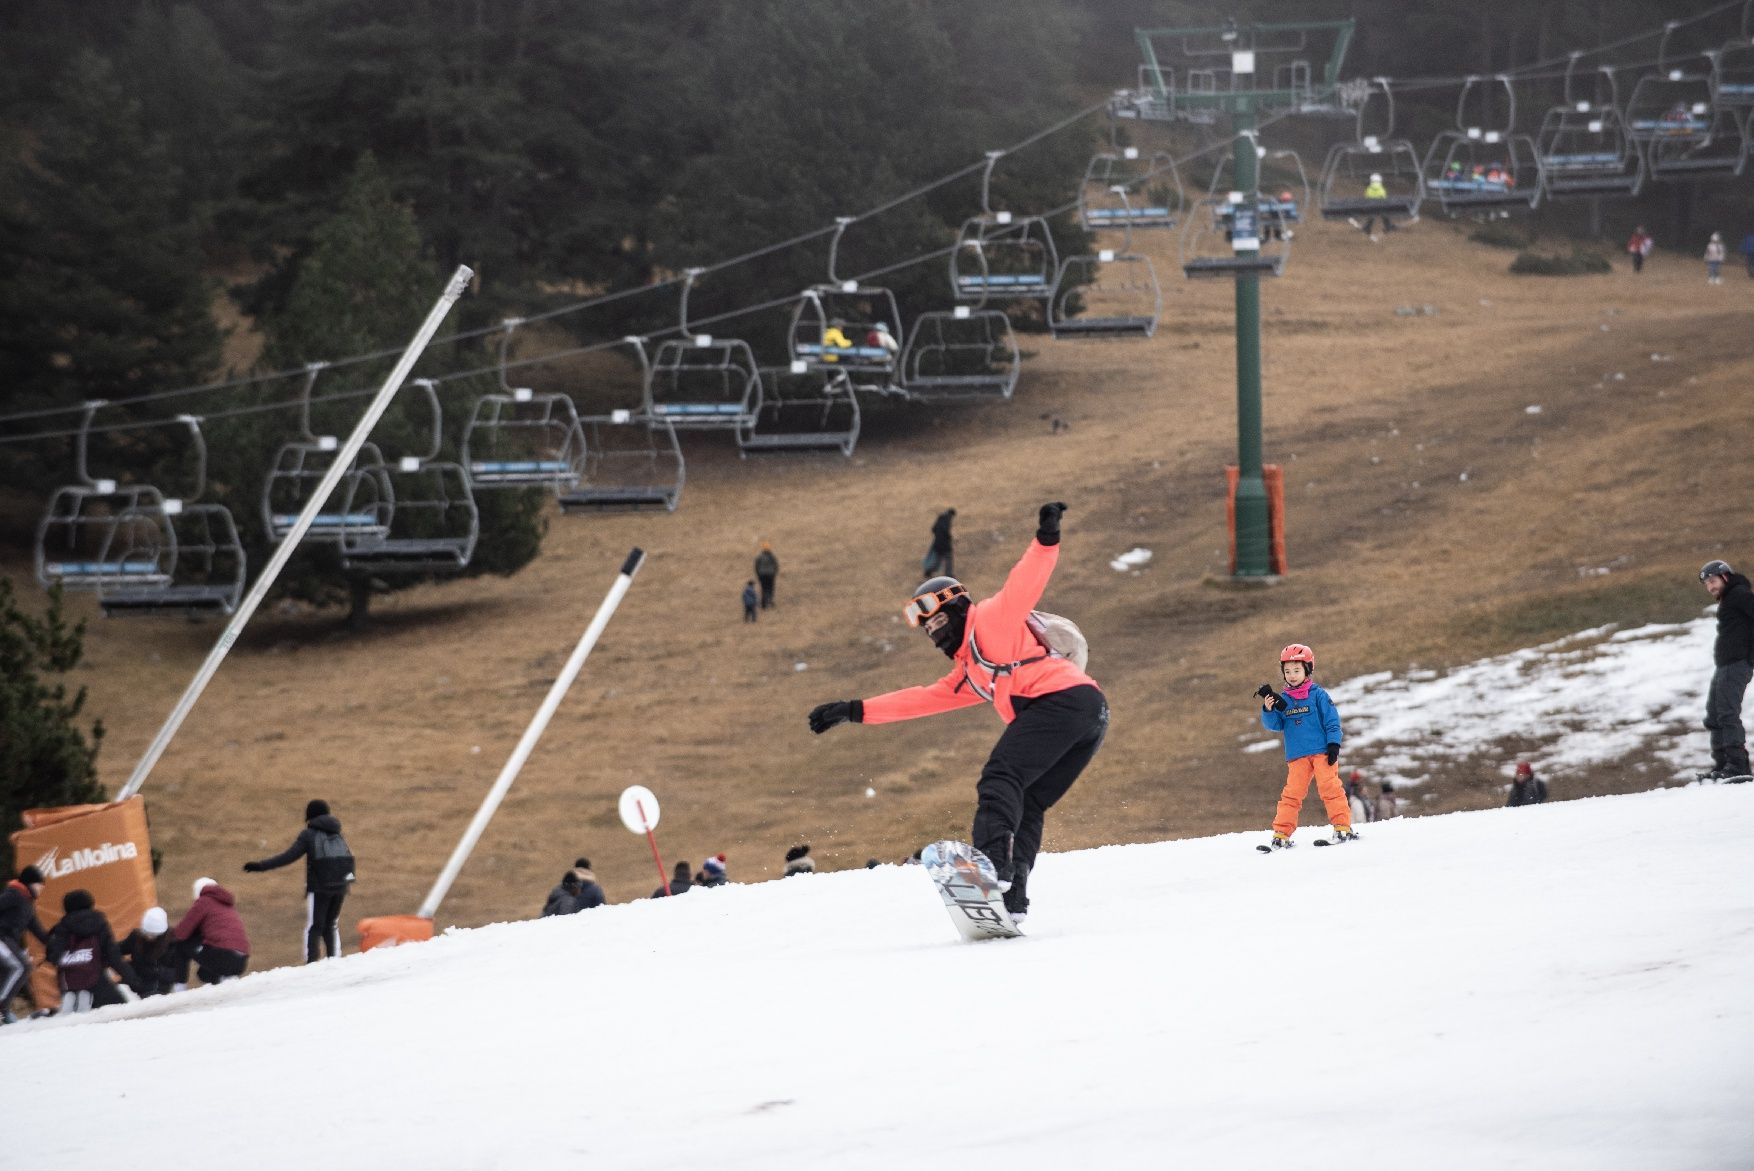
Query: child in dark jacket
x=1311, y=726
x=84, y=952
x=150, y=948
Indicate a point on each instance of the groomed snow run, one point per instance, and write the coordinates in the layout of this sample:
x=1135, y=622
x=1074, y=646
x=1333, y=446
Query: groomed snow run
x=1555, y=987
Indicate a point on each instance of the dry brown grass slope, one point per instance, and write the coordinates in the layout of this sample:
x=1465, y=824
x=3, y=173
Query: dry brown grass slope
x=1431, y=519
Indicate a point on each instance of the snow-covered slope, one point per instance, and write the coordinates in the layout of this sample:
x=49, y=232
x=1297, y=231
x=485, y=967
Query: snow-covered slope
x=1561, y=986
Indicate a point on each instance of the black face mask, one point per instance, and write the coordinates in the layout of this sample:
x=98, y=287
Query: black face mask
x=948, y=637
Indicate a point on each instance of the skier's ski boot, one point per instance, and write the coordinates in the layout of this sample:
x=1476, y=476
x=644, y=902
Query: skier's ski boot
x=1279, y=842
x=1342, y=834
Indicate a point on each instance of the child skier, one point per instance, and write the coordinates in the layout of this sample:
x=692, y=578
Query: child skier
x=1311, y=726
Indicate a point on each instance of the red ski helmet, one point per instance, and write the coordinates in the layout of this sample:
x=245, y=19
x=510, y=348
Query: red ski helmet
x=1297, y=653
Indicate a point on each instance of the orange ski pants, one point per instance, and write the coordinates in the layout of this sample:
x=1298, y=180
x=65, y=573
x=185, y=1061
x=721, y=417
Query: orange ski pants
x=1298, y=774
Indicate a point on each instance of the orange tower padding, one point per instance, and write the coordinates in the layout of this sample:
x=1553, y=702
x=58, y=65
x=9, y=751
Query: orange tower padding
x=104, y=849
x=393, y=931
x=1273, y=476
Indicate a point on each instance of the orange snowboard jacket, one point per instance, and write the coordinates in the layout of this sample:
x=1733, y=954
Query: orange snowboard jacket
x=999, y=627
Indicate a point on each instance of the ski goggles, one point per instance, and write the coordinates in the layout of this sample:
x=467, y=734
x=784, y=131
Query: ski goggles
x=926, y=605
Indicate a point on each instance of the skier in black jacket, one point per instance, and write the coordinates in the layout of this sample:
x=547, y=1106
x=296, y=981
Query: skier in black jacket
x=18, y=914
x=325, y=882
x=83, y=949
x=150, y=947
x=1733, y=660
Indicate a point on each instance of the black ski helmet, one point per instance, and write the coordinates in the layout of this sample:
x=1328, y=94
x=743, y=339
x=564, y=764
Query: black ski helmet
x=943, y=595
x=1715, y=569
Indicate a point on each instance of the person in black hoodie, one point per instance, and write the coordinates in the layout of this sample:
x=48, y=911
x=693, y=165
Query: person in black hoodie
x=83, y=949
x=151, y=949
x=1733, y=659
x=679, y=881
x=563, y=899
x=591, y=893
x=328, y=872
x=18, y=914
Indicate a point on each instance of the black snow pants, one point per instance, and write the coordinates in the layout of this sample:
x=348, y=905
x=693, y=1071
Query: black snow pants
x=1723, y=716
x=322, y=924
x=1036, y=760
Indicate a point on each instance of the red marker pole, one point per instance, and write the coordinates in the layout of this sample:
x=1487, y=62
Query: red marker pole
x=652, y=839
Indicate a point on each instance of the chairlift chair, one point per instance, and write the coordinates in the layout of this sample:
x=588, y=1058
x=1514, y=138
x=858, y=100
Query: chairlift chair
x=205, y=566
x=964, y=354
x=844, y=325
x=634, y=464
x=427, y=510
x=803, y=410
x=1107, y=294
x=1585, y=152
x=1732, y=78
x=518, y=438
x=999, y=255
x=1482, y=167
x=1152, y=184
x=1374, y=151
x=97, y=532
x=1225, y=238
x=701, y=383
x=1683, y=133
x=299, y=468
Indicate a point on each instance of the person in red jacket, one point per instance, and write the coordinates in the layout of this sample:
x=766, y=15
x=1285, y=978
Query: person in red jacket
x=212, y=934
x=1055, y=715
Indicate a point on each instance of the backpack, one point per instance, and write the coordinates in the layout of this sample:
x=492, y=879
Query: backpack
x=331, y=863
x=79, y=964
x=1058, y=636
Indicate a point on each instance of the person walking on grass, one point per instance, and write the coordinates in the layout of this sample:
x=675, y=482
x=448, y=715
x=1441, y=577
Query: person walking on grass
x=941, y=556
x=1311, y=726
x=1733, y=665
x=328, y=875
x=1714, y=260
x=767, y=571
x=749, y=600
x=1638, y=247
x=1055, y=715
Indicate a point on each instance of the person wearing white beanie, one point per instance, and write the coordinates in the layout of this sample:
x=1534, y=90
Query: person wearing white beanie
x=151, y=951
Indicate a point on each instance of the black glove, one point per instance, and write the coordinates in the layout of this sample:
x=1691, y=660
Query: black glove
x=254, y=868
x=1263, y=691
x=1047, y=525
x=1333, y=754
x=827, y=715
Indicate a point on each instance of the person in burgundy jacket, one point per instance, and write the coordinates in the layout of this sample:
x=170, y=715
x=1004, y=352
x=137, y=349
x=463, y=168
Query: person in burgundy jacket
x=1055, y=714
x=212, y=934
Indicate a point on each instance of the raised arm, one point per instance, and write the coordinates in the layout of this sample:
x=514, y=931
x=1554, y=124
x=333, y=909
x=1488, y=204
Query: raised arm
x=1028, y=579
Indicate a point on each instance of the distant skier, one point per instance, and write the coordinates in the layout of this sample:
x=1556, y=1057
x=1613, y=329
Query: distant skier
x=1311, y=726
x=328, y=875
x=1055, y=714
x=1733, y=663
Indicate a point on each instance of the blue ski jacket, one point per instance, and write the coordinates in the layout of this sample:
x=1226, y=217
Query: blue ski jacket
x=1309, y=724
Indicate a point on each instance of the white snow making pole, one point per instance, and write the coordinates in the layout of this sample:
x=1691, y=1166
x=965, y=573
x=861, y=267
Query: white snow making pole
x=343, y=460
x=533, y=733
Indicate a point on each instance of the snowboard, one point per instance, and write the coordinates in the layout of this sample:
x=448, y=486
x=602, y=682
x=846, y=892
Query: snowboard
x=966, y=882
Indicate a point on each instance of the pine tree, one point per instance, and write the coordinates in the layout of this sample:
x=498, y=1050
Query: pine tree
x=362, y=288
x=46, y=759
x=101, y=290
